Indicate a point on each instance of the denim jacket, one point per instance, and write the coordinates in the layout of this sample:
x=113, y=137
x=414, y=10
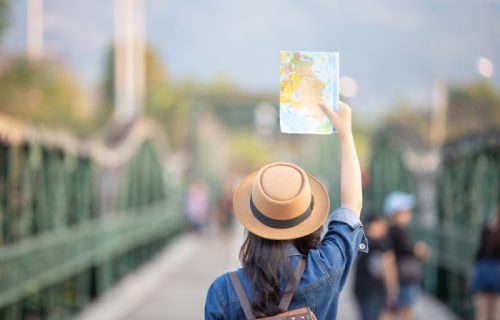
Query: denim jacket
x=325, y=275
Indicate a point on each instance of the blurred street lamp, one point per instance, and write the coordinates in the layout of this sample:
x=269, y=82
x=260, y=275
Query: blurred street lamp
x=348, y=87
x=485, y=67
x=265, y=119
x=34, y=29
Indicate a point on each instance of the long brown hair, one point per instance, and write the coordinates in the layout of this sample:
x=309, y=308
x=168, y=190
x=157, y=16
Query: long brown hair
x=266, y=263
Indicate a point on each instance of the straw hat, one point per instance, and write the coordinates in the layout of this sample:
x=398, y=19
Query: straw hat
x=280, y=202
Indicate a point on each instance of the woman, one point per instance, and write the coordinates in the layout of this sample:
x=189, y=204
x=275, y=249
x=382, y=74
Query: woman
x=486, y=283
x=283, y=210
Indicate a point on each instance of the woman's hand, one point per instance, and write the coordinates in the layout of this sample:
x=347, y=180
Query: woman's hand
x=340, y=120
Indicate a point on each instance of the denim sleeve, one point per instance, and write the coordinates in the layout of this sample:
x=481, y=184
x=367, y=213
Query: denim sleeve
x=213, y=309
x=339, y=246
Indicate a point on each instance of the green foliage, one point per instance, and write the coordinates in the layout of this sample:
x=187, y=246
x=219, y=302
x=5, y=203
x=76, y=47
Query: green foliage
x=406, y=125
x=249, y=152
x=363, y=133
x=108, y=84
x=42, y=92
x=221, y=85
x=472, y=108
x=163, y=102
x=4, y=15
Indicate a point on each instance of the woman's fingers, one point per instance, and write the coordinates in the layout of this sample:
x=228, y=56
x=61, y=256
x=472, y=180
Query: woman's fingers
x=343, y=107
x=328, y=111
x=334, y=116
x=341, y=120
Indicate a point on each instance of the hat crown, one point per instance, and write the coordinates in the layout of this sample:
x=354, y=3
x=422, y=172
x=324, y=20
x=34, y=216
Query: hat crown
x=281, y=191
x=280, y=202
x=281, y=183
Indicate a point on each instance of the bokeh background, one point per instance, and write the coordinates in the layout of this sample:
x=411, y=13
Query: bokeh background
x=113, y=112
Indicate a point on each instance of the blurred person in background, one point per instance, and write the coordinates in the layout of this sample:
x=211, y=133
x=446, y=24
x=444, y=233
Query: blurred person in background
x=224, y=216
x=197, y=205
x=398, y=206
x=486, y=278
x=376, y=283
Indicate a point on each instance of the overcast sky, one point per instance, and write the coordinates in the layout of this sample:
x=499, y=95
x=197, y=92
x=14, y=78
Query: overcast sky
x=394, y=49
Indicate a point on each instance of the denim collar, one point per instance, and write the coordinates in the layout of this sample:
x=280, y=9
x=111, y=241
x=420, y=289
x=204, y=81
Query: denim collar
x=290, y=250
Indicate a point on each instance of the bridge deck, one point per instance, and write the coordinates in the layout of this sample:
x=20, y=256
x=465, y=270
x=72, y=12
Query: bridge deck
x=174, y=284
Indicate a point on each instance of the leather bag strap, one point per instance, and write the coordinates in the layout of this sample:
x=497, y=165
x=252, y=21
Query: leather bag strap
x=292, y=285
x=242, y=297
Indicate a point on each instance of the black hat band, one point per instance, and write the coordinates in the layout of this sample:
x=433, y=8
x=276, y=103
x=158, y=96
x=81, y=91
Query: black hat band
x=281, y=224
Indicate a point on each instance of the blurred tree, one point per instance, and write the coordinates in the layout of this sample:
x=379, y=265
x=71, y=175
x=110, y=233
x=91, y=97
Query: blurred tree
x=163, y=99
x=222, y=84
x=165, y=102
x=4, y=15
x=407, y=125
x=43, y=92
x=249, y=152
x=362, y=132
x=472, y=108
x=107, y=91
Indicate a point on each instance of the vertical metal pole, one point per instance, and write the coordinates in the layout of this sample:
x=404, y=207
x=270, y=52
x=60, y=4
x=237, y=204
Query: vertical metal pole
x=35, y=29
x=139, y=54
x=119, y=62
x=439, y=113
x=128, y=47
x=129, y=59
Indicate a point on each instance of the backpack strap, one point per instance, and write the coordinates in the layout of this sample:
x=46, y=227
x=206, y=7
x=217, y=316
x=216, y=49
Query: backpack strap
x=242, y=297
x=292, y=285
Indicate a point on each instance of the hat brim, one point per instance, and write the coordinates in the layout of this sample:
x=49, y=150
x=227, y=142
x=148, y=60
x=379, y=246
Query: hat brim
x=241, y=205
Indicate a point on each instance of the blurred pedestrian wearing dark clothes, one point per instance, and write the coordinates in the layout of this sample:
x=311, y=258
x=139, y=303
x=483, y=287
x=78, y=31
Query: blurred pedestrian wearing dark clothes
x=486, y=280
x=398, y=206
x=375, y=282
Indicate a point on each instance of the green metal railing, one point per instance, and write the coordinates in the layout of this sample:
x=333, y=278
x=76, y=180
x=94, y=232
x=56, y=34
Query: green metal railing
x=468, y=188
x=59, y=247
x=387, y=173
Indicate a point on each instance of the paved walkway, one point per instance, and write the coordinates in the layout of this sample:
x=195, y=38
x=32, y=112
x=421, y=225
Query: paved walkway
x=174, y=284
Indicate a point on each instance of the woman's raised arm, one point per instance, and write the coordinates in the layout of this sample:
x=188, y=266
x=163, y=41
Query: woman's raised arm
x=350, y=176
